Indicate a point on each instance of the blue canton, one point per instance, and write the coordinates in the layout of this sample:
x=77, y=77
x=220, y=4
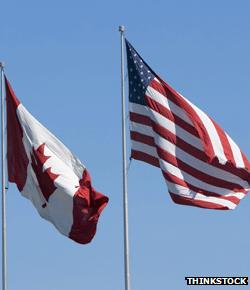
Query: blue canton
x=139, y=75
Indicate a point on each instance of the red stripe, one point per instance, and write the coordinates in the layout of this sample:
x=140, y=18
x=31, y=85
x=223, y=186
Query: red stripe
x=163, y=132
x=166, y=134
x=176, y=98
x=145, y=157
x=176, y=180
x=166, y=113
x=135, y=117
x=190, y=170
x=17, y=158
x=225, y=143
x=198, y=203
x=246, y=162
x=142, y=138
x=165, y=90
x=87, y=207
x=164, y=155
x=210, y=180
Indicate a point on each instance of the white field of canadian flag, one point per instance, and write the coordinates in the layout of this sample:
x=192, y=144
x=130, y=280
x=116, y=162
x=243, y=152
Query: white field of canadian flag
x=49, y=175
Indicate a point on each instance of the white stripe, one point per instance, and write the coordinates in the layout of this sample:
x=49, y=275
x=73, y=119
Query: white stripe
x=238, y=195
x=158, y=97
x=138, y=146
x=212, y=132
x=140, y=128
x=187, y=193
x=216, y=200
x=139, y=109
x=198, y=164
x=170, y=126
x=168, y=167
x=236, y=153
x=188, y=158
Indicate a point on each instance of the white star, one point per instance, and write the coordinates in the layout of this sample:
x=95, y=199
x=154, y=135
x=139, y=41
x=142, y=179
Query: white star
x=131, y=69
x=135, y=54
x=135, y=77
x=138, y=97
x=135, y=61
x=142, y=73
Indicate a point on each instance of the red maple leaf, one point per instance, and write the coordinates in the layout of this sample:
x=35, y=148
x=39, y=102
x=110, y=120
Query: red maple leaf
x=45, y=178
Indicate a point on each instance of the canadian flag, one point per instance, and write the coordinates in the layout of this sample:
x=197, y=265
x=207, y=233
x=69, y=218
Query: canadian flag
x=47, y=173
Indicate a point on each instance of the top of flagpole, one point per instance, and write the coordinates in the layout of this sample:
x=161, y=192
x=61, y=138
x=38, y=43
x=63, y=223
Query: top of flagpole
x=121, y=28
x=1, y=64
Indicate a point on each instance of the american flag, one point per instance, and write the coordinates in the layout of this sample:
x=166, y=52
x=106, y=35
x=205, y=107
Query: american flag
x=201, y=164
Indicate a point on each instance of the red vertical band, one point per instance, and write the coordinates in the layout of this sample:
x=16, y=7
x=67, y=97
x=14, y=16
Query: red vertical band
x=87, y=207
x=16, y=154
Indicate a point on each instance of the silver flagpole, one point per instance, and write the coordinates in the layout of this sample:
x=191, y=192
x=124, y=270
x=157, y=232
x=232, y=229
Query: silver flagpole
x=4, y=250
x=125, y=181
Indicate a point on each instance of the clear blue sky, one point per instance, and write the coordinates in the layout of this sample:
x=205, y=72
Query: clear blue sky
x=63, y=60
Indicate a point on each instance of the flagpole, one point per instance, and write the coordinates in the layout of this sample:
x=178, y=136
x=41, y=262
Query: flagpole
x=125, y=179
x=4, y=250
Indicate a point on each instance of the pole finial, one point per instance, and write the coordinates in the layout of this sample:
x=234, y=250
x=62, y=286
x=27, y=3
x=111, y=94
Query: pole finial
x=121, y=28
x=1, y=64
